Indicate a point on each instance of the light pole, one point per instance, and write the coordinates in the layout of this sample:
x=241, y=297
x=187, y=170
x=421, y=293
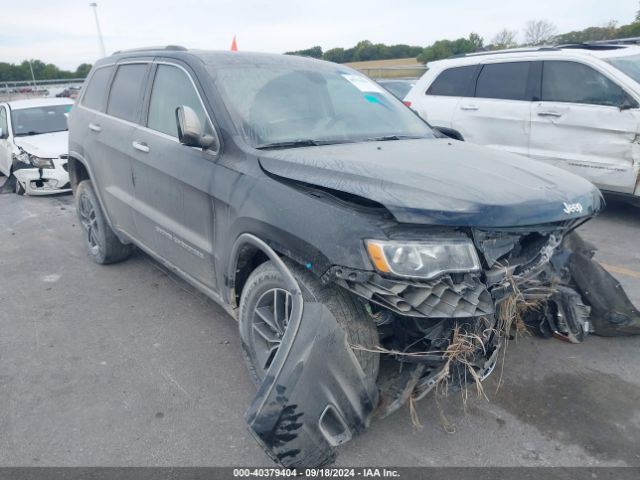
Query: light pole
x=94, y=5
x=32, y=75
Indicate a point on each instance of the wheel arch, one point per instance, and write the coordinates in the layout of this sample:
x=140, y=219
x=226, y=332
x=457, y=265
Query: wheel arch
x=80, y=170
x=77, y=172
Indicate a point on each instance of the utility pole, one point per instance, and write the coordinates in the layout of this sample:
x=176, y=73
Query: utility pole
x=94, y=5
x=33, y=77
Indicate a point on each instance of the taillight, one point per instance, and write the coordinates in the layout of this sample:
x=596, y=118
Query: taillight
x=407, y=103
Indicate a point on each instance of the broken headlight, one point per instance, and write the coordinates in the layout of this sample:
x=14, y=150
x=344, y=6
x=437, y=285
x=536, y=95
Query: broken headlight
x=37, y=162
x=425, y=259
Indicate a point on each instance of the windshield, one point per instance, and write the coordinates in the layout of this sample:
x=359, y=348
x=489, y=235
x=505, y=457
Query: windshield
x=289, y=105
x=38, y=120
x=628, y=65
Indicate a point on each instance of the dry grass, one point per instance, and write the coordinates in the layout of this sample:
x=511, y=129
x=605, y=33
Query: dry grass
x=392, y=68
x=465, y=346
x=393, y=62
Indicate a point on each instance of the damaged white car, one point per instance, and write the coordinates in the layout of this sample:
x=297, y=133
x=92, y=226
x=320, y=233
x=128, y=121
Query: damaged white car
x=33, y=145
x=573, y=106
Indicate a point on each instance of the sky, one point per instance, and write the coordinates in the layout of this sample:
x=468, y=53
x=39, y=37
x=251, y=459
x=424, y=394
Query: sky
x=63, y=32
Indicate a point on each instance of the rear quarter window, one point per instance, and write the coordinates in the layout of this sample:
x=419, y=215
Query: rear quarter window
x=96, y=90
x=453, y=82
x=126, y=91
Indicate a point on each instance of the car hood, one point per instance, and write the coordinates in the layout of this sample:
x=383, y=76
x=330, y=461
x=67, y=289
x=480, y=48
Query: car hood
x=442, y=182
x=46, y=145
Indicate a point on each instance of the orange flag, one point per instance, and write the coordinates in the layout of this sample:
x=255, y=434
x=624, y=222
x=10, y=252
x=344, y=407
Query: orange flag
x=234, y=45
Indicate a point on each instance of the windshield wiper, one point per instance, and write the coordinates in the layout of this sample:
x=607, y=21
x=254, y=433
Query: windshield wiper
x=387, y=138
x=27, y=134
x=305, y=142
x=31, y=132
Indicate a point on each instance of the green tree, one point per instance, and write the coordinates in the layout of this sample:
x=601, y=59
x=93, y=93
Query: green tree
x=314, y=52
x=83, y=70
x=477, y=40
x=447, y=48
x=334, y=55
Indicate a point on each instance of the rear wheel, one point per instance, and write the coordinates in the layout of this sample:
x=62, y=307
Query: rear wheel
x=103, y=245
x=265, y=309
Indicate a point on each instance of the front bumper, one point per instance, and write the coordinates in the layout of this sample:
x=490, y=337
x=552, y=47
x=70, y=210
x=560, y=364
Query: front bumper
x=44, y=181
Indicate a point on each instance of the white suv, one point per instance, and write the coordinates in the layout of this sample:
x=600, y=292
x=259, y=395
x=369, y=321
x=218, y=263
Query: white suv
x=576, y=107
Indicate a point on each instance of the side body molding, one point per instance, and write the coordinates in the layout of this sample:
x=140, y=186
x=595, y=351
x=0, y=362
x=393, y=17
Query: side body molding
x=315, y=395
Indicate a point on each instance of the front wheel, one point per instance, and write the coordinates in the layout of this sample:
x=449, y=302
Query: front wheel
x=20, y=190
x=103, y=245
x=265, y=309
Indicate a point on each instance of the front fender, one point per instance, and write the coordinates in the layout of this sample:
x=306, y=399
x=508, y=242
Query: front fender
x=315, y=395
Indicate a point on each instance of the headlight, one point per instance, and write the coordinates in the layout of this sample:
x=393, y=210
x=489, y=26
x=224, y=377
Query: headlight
x=41, y=162
x=37, y=162
x=425, y=259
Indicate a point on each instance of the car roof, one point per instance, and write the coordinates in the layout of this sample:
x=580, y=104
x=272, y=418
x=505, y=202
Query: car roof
x=586, y=51
x=38, y=102
x=219, y=57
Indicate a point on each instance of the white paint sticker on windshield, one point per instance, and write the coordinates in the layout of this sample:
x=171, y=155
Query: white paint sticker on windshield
x=363, y=84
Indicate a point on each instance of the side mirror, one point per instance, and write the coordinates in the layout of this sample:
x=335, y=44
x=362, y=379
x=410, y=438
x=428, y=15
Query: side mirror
x=190, y=132
x=628, y=103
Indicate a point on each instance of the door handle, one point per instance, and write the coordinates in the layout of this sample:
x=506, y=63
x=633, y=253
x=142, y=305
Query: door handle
x=94, y=127
x=549, y=114
x=143, y=147
x=469, y=107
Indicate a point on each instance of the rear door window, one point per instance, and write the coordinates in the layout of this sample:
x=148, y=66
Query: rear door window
x=96, y=90
x=453, y=82
x=126, y=91
x=507, y=81
x=171, y=89
x=574, y=82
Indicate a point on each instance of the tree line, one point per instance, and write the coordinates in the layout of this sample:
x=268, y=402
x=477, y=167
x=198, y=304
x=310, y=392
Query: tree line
x=18, y=72
x=534, y=33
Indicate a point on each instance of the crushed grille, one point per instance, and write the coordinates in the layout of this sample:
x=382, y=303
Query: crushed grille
x=439, y=298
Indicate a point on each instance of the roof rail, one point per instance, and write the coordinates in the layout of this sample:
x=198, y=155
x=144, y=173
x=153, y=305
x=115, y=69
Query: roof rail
x=150, y=49
x=617, y=41
x=592, y=46
x=508, y=50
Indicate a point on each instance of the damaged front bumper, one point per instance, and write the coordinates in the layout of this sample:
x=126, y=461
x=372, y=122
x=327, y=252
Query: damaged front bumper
x=446, y=332
x=43, y=181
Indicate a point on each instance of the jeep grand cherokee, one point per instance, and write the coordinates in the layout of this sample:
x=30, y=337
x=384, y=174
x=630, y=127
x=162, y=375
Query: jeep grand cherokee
x=366, y=259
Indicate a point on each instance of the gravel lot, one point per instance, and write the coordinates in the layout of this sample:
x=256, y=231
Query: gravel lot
x=128, y=365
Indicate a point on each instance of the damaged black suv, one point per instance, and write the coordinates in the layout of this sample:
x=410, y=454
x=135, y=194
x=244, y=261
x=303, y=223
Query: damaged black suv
x=366, y=258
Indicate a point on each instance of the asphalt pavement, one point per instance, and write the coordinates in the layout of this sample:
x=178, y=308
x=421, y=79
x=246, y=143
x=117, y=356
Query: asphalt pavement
x=127, y=365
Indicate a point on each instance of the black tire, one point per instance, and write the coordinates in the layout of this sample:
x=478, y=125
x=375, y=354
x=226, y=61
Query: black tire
x=346, y=309
x=9, y=185
x=103, y=245
x=19, y=188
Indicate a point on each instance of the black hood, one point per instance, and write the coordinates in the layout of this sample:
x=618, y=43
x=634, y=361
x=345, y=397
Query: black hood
x=442, y=182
